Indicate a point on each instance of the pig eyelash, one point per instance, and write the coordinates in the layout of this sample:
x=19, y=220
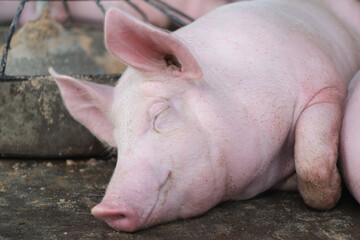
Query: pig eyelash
x=171, y=60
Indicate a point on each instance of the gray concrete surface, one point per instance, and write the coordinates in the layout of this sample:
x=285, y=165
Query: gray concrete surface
x=52, y=200
x=33, y=121
x=35, y=124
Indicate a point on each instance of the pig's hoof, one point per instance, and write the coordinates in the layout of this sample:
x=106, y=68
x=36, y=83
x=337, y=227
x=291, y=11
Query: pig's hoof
x=319, y=192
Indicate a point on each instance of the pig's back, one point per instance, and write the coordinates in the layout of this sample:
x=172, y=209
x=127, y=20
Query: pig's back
x=269, y=58
x=273, y=51
x=275, y=28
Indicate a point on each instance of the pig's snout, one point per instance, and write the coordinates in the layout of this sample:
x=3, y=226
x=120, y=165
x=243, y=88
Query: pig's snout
x=135, y=198
x=119, y=218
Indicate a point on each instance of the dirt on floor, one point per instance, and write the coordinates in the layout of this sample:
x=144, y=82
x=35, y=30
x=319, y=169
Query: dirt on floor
x=52, y=200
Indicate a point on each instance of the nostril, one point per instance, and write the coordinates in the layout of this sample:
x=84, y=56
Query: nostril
x=119, y=218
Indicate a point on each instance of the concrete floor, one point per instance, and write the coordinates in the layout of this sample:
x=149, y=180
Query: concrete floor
x=52, y=200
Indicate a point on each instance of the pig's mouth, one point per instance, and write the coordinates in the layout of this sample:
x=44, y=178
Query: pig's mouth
x=154, y=215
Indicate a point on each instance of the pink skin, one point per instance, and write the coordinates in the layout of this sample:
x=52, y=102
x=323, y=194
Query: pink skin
x=7, y=10
x=247, y=98
x=350, y=139
x=93, y=15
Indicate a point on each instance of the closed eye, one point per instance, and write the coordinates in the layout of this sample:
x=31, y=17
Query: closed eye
x=159, y=120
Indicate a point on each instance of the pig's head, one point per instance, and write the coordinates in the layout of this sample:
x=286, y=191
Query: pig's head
x=156, y=119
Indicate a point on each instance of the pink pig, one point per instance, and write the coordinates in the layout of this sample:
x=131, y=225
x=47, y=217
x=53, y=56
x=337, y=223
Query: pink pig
x=89, y=12
x=245, y=99
x=350, y=139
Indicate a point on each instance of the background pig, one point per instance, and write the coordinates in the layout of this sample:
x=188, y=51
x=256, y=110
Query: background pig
x=247, y=98
x=89, y=12
x=350, y=139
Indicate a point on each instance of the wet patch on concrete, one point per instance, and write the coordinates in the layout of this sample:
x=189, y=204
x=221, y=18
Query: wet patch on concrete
x=52, y=200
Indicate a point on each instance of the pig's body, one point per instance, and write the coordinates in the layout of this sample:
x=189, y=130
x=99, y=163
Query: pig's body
x=224, y=108
x=350, y=139
x=263, y=68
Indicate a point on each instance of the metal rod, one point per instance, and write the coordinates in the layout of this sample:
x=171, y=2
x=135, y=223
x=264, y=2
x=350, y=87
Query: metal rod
x=10, y=78
x=171, y=8
x=163, y=10
x=67, y=10
x=141, y=12
x=100, y=6
x=13, y=25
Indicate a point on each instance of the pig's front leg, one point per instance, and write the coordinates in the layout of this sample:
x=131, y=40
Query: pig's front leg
x=316, y=154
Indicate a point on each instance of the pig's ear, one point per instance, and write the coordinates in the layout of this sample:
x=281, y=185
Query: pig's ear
x=147, y=48
x=89, y=103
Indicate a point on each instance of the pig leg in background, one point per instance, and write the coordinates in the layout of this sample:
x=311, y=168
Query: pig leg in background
x=350, y=139
x=316, y=154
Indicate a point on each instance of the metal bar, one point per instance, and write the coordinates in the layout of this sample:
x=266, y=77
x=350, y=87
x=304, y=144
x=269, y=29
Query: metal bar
x=10, y=78
x=171, y=8
x=163, y=10
x=100, y=6
x=141, y=12
x=13, y=25
x=67, y=10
